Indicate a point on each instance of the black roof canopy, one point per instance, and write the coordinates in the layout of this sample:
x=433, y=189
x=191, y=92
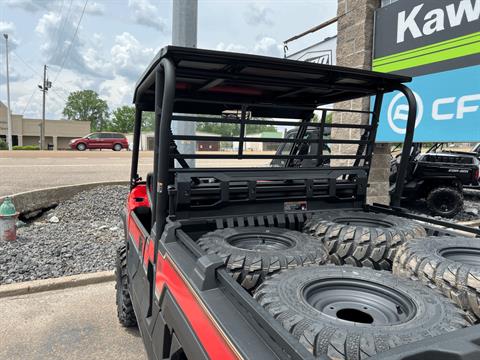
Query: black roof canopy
x=210, y=81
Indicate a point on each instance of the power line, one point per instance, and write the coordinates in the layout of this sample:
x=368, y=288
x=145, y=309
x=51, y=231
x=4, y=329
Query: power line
x=62, y=97
x=71, y=43
x=26, y=64
x=63, y=20
x=29, y=101
x=61, y=16
x=35, y=72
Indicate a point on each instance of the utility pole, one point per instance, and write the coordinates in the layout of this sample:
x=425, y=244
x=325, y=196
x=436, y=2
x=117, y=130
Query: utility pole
x=184, y=33
x=9, y=114
x=44, y=88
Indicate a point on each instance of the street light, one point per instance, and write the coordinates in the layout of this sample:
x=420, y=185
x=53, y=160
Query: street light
x=9, y=115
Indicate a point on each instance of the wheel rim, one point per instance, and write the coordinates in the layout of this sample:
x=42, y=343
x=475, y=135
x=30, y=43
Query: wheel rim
x=117, y=147
x=444, y=202
x=81, y=147
x=462, y=255
x=360, y=221
x=360, y=302
x=261, y=242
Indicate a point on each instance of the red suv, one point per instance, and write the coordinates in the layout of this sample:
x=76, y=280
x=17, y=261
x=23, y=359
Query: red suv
x=100, y=140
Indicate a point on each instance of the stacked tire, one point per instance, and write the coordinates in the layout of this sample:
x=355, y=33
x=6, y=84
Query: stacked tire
x=347, y=313
x=362, y=238
x=450, y=264
x=349, y=310
x=252, y=253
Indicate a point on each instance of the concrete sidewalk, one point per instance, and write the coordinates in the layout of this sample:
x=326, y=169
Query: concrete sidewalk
x=76, y=323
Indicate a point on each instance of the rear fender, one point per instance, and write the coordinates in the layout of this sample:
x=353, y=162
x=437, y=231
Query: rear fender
x=447, y=181
x=133, y=234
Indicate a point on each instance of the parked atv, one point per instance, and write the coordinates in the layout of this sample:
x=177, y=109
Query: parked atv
x=439, y=178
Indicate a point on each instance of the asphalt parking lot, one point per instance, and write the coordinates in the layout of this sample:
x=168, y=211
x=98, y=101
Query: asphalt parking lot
x=30, y=170
x=75, y=323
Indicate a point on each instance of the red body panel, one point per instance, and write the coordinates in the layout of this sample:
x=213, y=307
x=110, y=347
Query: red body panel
x=166, y=275
x=205, y=329
x=137, y=197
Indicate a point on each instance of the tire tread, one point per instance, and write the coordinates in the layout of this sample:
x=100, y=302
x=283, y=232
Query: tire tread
x=250, y=268
x=420, y=260
x=360, y=245
x=125, y=313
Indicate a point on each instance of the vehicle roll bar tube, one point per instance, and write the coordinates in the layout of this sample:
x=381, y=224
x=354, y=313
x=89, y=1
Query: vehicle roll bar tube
x=407, y=145
x=165, y=95
x=136, y=146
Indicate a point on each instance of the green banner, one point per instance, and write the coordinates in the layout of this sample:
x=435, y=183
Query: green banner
x=441, y=51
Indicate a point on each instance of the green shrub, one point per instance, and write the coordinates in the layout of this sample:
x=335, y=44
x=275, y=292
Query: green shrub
x=3, y=145
x=26, y=147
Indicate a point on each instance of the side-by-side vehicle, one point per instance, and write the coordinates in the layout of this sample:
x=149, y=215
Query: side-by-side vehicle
x=239, y=254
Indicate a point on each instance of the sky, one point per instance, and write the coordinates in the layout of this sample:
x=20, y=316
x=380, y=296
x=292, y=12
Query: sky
x=105, y=45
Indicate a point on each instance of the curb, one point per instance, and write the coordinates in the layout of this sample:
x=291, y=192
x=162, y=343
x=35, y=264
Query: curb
x=36, y=286
x=30, y=201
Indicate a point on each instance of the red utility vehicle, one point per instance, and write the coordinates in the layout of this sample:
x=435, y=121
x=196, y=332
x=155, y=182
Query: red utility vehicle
x=100, y=140
x=225, y=262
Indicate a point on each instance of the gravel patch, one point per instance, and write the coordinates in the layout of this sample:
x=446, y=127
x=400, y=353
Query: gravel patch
x=82, y=234
x=79, y=236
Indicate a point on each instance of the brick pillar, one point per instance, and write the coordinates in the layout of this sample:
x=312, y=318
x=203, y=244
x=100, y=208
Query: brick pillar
x=354, y=49
x=55, y=143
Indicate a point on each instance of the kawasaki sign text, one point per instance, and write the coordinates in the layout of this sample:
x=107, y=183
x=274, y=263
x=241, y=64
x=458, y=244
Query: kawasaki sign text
x=417, y=24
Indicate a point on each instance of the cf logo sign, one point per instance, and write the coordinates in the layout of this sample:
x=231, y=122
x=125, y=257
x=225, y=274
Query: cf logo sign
x=398, y=113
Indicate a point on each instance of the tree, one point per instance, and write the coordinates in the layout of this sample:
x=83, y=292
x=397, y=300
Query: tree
x=227, y=129
x=328, y=119
x=148, y=121
x=123, y=119
x=86, y=105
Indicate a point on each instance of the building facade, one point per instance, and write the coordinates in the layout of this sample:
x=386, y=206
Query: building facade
x=58, y=133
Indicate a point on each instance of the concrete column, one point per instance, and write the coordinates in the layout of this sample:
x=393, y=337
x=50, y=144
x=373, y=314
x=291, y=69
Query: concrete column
x=354, y=49
x=20, y=140
x=55, y=143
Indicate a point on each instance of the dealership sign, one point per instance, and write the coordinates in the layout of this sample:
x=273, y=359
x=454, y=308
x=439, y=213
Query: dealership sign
x=437, y=42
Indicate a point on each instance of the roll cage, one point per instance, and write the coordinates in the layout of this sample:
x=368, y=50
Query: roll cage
x=186, y=84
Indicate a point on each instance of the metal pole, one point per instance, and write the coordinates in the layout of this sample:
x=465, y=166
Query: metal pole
x=184, y=33
x=9, y=114
x=44, y=90
x=184, y=23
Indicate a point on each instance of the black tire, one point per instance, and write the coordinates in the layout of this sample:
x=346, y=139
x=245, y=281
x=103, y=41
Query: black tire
x=117, y=147
x=452, y=264
x=361, y=238
x=250, y=253
x=81, y=147
x=126, y=315
x=342, y=312
x=445, y=201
